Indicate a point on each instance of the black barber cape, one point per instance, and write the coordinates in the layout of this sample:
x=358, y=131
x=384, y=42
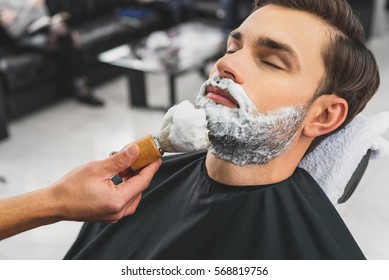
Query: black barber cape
x=184, y=214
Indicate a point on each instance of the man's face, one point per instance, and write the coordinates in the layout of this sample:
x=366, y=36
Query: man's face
x=275, y=55
x=259, y=92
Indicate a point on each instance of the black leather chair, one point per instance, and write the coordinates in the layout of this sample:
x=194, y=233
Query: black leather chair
x=31, y=80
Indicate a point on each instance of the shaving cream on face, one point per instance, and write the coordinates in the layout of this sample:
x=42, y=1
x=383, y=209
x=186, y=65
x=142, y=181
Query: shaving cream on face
x=184, y=129
x=245, y=136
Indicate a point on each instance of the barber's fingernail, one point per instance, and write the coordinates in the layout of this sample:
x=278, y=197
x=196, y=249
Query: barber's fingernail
x=132, y=150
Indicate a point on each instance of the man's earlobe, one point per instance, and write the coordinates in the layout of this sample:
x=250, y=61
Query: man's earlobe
x=326, y=115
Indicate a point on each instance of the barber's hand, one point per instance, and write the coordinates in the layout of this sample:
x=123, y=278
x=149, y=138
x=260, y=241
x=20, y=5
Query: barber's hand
x=88, y=194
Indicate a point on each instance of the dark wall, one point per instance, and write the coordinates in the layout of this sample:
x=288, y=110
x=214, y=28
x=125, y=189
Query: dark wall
x=365, y=11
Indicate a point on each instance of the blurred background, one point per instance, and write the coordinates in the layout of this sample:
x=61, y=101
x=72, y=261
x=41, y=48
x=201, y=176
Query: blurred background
x=45, y=131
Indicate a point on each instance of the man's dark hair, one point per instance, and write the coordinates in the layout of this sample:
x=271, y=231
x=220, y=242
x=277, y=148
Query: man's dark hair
x=351, y=71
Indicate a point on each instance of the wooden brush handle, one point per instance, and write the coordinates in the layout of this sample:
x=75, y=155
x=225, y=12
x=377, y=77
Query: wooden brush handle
x=148, y=152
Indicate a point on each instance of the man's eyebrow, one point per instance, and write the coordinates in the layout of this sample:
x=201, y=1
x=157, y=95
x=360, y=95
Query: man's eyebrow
x=278, y=46
x=272, y=44
x=236, y=34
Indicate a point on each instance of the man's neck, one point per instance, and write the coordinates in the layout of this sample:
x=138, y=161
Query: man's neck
x=227, y=173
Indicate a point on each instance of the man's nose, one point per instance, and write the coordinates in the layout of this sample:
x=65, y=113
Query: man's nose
x=231, y=66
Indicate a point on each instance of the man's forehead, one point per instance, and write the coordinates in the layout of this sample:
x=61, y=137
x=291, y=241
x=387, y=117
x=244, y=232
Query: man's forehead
x=298, y=29
x=291, y=18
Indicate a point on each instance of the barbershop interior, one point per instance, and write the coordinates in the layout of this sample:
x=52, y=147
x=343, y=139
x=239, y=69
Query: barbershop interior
x=111, y=72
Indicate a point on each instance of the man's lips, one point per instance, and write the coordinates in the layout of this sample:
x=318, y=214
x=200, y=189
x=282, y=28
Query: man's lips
x=221, y=96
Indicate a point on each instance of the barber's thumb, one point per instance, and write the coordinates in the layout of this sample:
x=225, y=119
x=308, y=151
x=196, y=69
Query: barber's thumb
x=124, y=159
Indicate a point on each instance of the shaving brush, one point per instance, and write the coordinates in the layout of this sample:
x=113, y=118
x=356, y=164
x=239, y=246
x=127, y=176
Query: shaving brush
x=183, y=129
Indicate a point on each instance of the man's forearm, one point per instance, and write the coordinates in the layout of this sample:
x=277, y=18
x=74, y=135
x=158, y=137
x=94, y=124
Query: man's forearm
x=25, y=212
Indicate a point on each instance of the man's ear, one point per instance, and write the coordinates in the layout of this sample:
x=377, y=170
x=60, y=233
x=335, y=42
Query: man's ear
x=326, y=114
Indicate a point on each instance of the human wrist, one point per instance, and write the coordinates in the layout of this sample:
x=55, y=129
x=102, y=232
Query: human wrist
x=51, y=205
x=46, y=206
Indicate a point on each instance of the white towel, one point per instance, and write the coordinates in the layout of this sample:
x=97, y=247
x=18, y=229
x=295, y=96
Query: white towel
x=334, y=161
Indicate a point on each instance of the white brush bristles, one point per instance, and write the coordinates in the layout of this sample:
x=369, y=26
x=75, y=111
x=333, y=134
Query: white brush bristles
x=184, y=129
